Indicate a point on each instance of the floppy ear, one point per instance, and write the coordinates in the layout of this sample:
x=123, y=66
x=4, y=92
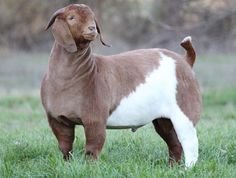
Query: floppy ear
x=63, y=36
x=99, y=32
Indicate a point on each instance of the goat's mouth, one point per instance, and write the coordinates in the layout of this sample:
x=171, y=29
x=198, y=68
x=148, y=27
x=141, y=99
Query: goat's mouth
x=90, y=36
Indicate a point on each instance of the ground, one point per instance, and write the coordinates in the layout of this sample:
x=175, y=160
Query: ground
x=29, y=149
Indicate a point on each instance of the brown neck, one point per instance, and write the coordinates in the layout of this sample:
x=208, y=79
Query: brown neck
x=66, y=69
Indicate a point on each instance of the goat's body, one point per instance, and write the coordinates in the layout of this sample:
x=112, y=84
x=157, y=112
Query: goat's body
x=127, y=90
x=151, y=91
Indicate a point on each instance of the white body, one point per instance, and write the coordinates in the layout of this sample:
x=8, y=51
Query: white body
x=154, y=99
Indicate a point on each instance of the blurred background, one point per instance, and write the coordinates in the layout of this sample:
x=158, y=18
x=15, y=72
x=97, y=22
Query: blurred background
x=126, y=25
x=27, y=146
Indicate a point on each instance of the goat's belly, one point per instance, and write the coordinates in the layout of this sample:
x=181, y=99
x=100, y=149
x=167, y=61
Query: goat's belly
x=152, y=99
x=138, y=114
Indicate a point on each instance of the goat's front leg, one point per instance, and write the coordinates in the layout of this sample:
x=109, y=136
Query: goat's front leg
x=95, y=133
x=64, y=134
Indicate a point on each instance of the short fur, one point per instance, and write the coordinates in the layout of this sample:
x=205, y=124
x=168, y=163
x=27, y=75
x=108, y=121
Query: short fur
x=81, y=88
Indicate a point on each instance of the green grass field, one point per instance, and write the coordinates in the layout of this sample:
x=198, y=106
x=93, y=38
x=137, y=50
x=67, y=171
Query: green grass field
x=29, y=149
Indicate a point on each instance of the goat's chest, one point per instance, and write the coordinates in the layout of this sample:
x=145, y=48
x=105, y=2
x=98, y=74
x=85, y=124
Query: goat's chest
x=63, y=104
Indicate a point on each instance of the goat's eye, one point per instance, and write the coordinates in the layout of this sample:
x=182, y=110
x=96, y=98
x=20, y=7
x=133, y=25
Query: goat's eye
x=71, y=18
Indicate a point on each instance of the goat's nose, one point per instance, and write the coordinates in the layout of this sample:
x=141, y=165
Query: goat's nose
x=91, y=28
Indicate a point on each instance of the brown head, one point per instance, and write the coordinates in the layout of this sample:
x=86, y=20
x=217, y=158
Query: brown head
x=74, y=27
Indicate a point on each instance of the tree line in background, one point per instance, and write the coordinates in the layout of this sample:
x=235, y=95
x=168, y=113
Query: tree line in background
x=135, y=23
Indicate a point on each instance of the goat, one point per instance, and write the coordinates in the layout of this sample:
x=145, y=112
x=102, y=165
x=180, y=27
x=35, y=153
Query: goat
x=122, y=91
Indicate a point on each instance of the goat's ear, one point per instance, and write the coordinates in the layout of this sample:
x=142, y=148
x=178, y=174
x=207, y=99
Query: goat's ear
x=99, y=32
x=63, y=36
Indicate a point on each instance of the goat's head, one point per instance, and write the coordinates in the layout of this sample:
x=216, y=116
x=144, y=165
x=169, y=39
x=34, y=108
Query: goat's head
x=74, y=27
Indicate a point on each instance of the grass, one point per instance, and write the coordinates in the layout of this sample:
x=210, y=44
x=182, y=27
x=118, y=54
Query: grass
x=28, y=147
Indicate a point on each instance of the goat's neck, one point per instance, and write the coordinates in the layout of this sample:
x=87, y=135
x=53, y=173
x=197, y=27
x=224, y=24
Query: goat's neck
x=70, y=68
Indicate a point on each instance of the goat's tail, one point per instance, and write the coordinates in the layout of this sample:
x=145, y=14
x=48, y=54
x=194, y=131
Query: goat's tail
x=190, y=52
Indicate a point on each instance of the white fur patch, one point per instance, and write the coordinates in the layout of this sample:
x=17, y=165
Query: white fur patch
x=150, y=100
x=156, y=98
x=188, y=38
x=187, y=136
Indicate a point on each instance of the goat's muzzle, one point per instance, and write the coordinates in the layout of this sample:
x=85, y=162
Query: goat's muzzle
x=90, y=36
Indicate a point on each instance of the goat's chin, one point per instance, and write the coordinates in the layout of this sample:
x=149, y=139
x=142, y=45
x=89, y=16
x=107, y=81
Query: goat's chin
x=83, y=44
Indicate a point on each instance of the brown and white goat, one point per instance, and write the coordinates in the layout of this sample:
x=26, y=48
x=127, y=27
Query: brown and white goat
x=126, y=90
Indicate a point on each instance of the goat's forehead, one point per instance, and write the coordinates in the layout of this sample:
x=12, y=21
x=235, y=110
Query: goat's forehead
x=80, y=9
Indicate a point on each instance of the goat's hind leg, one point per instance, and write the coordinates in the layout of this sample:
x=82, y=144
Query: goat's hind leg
x=187, y=136
x=165, y=129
